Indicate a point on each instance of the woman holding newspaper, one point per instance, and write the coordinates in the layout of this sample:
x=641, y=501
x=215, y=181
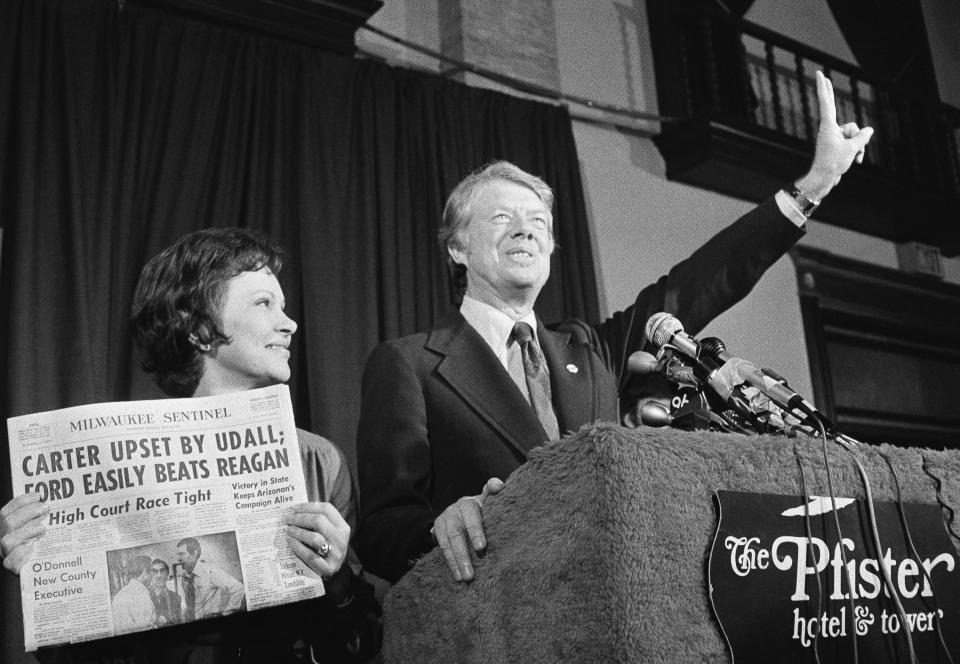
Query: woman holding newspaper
x=208, y=319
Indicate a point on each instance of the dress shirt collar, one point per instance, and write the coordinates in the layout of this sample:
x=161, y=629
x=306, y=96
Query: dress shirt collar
x=493, y=325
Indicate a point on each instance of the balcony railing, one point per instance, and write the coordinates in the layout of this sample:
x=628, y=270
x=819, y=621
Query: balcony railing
x=907, y=129
x=742, y=86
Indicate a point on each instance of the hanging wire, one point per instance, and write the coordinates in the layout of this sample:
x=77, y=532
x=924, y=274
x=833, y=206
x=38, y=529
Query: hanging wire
x=916, y=556
x=810, y=552
x=836, y=520
x=943, y=505
x=848, y=444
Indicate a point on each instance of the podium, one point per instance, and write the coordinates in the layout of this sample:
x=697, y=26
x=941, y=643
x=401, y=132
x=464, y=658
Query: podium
x=598, y=546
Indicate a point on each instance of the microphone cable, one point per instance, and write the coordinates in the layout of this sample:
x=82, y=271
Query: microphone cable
x=836, y=520
x=916, y=556
x=847, y=443
x=810, y=550
x=944, y=506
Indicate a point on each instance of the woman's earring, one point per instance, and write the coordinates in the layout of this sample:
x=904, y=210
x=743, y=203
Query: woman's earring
x=203, y=348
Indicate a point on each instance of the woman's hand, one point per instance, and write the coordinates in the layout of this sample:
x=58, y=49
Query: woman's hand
x=22, y=523
x=319, y=537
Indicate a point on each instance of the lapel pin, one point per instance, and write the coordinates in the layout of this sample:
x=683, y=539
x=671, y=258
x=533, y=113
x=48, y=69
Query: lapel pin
x=573, y=368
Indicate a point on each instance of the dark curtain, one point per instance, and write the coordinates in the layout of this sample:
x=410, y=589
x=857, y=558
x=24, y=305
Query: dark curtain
x=122, y=129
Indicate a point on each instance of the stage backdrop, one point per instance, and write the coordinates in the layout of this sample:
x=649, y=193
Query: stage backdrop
x=122, y=128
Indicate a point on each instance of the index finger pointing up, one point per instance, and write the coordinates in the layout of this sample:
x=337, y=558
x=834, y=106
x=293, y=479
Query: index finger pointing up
x=828, y=107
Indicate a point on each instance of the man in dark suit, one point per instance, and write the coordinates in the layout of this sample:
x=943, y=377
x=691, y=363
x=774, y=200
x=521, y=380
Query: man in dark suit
x=165, y=601
x=444, y=414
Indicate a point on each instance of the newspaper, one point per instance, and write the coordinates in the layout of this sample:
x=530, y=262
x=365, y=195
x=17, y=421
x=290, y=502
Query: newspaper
x=128, y=482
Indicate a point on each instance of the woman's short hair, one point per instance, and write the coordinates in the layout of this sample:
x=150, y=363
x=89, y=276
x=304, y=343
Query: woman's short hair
x=456, y=213
x=179, y=297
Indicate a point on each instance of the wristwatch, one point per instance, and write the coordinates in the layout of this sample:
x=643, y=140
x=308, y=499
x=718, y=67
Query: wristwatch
x=804, y=203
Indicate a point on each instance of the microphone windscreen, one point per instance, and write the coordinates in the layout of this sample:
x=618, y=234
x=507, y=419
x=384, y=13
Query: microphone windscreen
x=661, y=326
x=655, y=414
x=713, y=346
x=641, y=363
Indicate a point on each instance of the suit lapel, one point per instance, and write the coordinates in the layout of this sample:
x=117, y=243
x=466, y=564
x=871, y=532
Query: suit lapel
x=473, y=371
x=573, y=398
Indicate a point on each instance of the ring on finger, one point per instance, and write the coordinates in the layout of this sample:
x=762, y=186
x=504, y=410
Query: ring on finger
x=324, y=550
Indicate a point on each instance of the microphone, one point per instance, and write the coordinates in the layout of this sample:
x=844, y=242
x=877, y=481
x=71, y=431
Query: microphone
x=641, y=363
x=679, y=408
x=732, y=373
x=665, y=331
x=655, y=414
x=770, y=385
x=780, y=393
x=743, y=387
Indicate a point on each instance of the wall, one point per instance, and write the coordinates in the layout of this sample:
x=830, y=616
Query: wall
x=943, y=24
x=642, y=223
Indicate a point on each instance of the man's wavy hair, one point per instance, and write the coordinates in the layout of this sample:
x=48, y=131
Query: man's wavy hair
x=136, y=566
x=179, y=298
x=456, y=213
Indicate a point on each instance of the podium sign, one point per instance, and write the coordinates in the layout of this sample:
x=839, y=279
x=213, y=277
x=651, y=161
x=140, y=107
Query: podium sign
x=781, y=593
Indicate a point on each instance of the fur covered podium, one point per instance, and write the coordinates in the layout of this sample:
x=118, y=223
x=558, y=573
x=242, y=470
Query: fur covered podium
x=597, y=547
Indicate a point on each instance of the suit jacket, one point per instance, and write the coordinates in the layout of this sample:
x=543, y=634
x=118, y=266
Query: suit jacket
x=167, y=604
x=440, y=415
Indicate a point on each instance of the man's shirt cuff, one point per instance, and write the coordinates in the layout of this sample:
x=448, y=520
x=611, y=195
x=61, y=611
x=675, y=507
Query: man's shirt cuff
x=790, y=209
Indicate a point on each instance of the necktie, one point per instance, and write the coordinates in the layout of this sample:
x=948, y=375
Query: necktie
x=538, y=380
x=191, y=593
